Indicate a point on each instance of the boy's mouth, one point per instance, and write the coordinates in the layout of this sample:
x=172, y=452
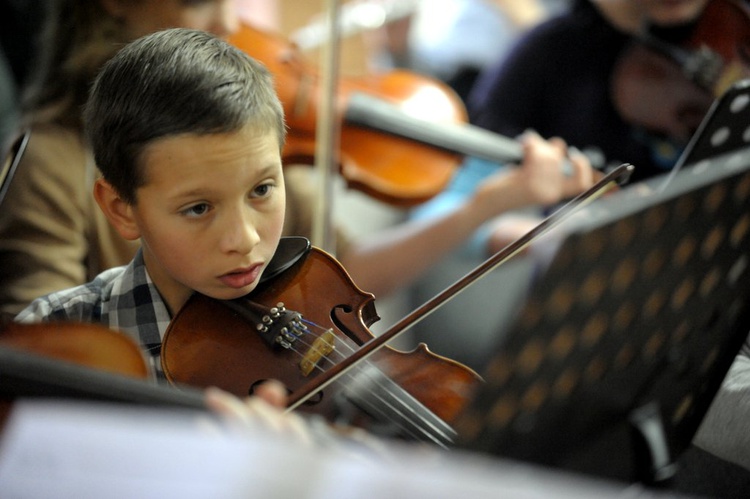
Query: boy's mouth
x=242, y=277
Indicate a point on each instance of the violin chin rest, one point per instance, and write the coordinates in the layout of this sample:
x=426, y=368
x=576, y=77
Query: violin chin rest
x=290, y=250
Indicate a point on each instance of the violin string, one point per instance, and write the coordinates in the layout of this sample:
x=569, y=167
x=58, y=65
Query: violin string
x=328, y=357
x=337, y=350
x=397, y=402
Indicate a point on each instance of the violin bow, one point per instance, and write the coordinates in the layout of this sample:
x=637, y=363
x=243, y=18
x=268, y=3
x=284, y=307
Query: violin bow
x=327, y=133
x=618, y=176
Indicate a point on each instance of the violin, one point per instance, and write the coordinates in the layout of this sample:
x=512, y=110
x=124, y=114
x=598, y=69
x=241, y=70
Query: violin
x=238, y=344
x=402, y=134
x=667, y=88
x=107, y=350
x=208, y=344
x=80, y=361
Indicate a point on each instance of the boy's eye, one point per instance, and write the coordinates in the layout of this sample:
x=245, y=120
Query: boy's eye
x=196, y=210
x=263, y=190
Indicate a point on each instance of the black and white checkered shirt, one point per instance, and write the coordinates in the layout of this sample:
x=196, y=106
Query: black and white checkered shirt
x=122, y=298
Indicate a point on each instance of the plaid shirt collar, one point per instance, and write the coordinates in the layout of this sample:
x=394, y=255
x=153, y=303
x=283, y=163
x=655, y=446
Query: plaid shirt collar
x=123, y=298
x=137, y=309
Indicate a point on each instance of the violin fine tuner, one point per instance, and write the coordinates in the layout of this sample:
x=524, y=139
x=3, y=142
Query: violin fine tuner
x=279, y=327
x=276, y=325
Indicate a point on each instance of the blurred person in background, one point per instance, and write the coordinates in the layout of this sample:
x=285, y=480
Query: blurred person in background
x=454, y=40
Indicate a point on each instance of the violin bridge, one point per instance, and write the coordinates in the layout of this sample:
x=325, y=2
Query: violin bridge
x=320, y=348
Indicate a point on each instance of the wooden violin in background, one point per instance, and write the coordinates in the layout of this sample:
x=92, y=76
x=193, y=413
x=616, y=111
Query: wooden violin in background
x=666, y=88
x=80, y=361
x=402, y=134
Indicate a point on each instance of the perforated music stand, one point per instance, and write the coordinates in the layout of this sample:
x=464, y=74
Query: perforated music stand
x=640, y=306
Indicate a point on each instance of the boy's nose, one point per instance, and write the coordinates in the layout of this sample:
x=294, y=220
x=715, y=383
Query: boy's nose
x=239, y=235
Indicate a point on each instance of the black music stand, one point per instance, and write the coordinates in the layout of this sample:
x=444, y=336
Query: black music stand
x=640, y=305
x=724, y=129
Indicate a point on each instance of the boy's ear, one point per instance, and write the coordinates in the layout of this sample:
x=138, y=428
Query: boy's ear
x=118, y=211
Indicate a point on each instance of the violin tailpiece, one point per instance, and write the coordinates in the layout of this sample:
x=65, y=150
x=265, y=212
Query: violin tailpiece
x=276, y=325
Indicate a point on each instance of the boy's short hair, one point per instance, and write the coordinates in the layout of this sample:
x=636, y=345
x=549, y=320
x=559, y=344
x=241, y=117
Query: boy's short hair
x=172, y=82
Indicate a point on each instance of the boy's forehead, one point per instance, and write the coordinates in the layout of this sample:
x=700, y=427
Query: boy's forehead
x=250, y=144
x=246, y=131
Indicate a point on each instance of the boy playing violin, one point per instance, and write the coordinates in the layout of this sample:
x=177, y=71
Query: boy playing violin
x=187, y=132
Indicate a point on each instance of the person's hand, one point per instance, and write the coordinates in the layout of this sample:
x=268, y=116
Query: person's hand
x=265, y=409
x=551, y=171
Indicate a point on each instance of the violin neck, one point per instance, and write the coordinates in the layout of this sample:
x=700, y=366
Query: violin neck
x=371, y=112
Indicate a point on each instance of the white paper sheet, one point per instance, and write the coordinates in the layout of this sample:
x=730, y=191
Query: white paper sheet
x=75, y=450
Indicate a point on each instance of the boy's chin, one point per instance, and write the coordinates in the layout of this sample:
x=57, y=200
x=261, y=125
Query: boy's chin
x=230, y=293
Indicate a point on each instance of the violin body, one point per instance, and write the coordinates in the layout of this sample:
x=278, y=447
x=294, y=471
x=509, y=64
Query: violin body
x=208, y=343
x=83, y=344
x=91, y=345
x=79, y=361
x=668, y=89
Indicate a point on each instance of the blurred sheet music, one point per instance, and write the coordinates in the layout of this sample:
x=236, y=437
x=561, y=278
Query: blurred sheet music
x=76, y=449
